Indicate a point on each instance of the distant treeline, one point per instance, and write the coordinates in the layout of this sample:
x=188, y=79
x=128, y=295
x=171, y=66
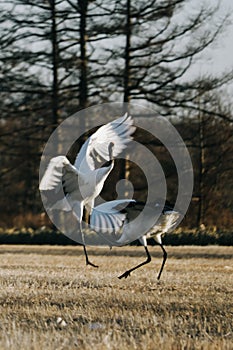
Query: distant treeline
x=212, y=201
x=50, y=237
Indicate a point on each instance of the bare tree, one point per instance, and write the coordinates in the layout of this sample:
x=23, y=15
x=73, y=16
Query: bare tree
x=209, y=139
x=158, y=51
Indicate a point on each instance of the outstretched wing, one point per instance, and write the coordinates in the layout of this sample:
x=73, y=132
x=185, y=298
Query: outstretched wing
x=60, y=173
x=63, y=178
x=96, y=148
x=52, y=178
x=109, y=217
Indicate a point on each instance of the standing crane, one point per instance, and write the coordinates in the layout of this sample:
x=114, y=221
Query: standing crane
x=83, y=181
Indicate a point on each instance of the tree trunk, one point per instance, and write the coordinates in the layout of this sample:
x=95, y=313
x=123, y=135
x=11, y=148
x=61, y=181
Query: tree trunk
x=200, y=214
x=83, y=95
x=124, y=164
x=55, y=60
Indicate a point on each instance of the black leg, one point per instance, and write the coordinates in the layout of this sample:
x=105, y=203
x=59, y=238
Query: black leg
x=87, y=260
x=127, y=273
x=84, y=247
x=164, y=260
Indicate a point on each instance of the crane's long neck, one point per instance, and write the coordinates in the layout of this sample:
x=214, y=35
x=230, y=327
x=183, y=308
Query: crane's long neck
x=102, y=173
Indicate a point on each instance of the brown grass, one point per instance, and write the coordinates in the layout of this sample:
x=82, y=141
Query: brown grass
x=51, y=300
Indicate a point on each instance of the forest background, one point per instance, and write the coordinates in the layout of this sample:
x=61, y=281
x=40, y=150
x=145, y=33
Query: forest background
x=60, y=56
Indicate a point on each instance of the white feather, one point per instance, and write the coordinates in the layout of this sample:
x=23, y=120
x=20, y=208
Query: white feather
x=117, y=132
x=107, y=217
x=83, y=181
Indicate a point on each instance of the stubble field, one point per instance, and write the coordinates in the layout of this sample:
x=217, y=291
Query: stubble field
x=50, y=300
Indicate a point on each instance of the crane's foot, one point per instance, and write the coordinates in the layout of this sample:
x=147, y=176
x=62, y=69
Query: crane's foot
x=125, y=275
x=90, y=263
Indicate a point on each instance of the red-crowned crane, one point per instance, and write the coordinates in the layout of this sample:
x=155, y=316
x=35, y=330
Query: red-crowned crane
x=83, y=181
x=115, y=221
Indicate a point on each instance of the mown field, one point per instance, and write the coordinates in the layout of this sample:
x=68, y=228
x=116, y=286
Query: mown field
x=50, y=300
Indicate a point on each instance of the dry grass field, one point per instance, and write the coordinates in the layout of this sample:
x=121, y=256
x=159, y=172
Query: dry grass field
x=50, y=300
